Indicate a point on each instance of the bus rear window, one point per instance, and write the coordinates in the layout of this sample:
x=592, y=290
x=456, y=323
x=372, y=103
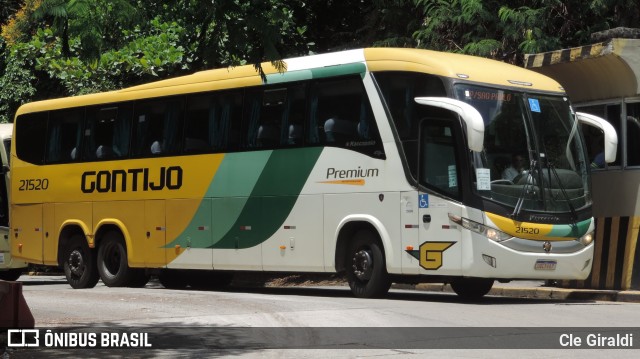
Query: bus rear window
x=31, y=134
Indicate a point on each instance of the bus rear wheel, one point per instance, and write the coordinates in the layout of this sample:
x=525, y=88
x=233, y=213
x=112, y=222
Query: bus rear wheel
x=471, y=288
x=79, y=264
x=366, y=268
x=112, y=262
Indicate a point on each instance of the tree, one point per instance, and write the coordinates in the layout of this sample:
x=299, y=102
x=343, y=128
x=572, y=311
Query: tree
x=89, y=20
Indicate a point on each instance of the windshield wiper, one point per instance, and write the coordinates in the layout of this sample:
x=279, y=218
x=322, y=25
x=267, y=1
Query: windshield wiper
x=523, y=192
x=552, y=167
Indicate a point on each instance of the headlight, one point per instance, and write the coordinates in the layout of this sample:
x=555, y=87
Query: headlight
x=491, y=233
x=586, y=239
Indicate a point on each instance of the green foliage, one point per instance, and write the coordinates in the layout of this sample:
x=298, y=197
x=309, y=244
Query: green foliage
x=17, y=83
x=53, y=48
x=506, y=32
x=147, y=55
x=459, y=26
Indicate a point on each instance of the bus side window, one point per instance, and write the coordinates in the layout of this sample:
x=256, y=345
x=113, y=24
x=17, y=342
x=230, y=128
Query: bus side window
x=439, y=166
x=65, y=134
x=293, y=117
x=399, y=90
x=31, y=134
x=107, y=132
x=263, y=117
x=157, y=127
x=212, y=123
x=340, y=115
x=201, y=114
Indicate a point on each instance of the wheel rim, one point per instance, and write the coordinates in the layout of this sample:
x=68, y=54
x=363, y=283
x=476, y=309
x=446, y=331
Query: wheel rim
x=112, y=258
x=76, y=263
x=363, y=264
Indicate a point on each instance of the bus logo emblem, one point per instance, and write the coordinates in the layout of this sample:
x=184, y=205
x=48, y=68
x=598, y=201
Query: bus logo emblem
x=430, y=254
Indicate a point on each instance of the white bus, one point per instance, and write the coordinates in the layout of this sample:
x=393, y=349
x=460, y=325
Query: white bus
x=10, y=268
x=383, y=164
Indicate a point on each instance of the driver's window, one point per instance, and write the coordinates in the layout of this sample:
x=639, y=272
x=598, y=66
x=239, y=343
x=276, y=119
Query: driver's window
x=439, y=164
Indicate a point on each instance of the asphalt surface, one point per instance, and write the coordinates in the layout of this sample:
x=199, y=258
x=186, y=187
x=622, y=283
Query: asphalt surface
x=538, y=290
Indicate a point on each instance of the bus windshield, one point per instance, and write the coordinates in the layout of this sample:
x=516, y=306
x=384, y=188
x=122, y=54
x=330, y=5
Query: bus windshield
x=533, y=157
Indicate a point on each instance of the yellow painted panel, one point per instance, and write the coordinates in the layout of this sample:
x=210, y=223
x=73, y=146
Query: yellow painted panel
x=129, y=216
x=154, y=240
x=63, y=214
x=478, y=69
x=50, y=240
x=26, y=232
x=137, y=179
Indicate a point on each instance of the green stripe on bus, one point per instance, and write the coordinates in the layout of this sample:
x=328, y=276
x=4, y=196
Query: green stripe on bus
x=318, y=73
x=226, y=196
x=570, y=230
x=339, y=70
x=272, y=199
x=291, y=76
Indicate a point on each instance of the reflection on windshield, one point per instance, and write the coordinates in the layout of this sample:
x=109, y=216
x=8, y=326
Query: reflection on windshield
x=534, y=158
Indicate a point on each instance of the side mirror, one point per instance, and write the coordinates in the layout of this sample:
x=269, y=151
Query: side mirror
x=471, y=117
x=610, y=135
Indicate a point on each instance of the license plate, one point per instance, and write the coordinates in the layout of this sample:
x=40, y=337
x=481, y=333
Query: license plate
x=545, y=265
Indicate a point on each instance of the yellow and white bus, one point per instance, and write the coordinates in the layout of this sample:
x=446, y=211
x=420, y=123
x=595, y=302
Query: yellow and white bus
x=383, y=164
x=10, y=268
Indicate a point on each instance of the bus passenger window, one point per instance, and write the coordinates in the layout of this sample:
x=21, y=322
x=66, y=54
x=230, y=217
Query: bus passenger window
x=340, y=115
x=65, y=133
x=107, y=132
x=264, y=117
x=157, y=127
x=200, y=117
x=31, y=134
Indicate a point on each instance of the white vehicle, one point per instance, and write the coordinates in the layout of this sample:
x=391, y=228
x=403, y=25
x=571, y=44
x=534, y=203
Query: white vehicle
x=10, y=268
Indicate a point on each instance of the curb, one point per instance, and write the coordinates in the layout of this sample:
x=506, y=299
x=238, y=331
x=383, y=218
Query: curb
x=632, y=296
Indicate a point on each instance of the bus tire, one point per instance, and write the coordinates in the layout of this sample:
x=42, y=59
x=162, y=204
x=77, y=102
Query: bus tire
x=365, y=268
x=80, y=264
x=139, y=278
x=112, y=261
x=11, y=274
x=471, y=288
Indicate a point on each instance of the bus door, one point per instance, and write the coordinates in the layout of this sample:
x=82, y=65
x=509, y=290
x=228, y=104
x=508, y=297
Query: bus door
x=439, y=250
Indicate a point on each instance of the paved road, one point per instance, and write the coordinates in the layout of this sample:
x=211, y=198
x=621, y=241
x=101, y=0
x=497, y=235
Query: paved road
x=54, y=304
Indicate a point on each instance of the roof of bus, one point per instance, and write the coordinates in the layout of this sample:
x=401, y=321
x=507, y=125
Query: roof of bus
x=464, y=67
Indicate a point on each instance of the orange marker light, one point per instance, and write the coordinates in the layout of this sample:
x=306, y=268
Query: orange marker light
x=283, y=247
x=20, y=247
x=409, y=248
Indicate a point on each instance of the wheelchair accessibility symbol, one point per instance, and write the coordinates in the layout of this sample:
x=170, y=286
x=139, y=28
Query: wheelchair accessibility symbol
x=423, y=201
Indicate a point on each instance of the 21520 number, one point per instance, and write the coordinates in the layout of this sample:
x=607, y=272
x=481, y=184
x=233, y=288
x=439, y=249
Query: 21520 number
x=527, y=230
x=34, y=184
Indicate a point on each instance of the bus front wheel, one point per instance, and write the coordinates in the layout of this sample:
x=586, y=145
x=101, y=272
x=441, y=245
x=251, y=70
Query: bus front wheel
x=79, y=264
x=366, y=268
x=112, y=262
x=471, y=288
